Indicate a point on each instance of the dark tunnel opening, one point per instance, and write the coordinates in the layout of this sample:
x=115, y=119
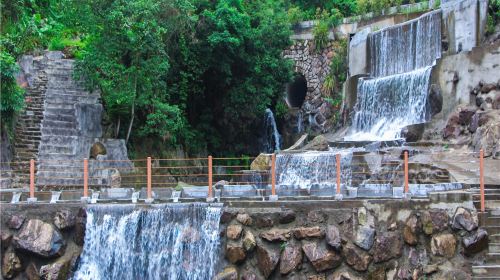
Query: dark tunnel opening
x=297, y=91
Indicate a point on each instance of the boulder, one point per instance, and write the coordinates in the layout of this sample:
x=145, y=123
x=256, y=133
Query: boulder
x=316, y=217
x=244, y=219
x=40, y=238
x=234, y=232
x=291, y=258
x=411, y=230
x=262, y=220
x=333, y=237
x=388, y=245
x=56, y=271
x=377, y=274
x=476, y=242
x=227, y=216
x=229, y=273
x=6, y=238
x=235, y=253
x=356, y=258
x=308, y=232
x=452, y=128
x=320, y=257
x=413, y=132
x=64, y=219
x=319, y=143
x=364, y=237
x=286, y=216
x=267, y=260
x=276, y=235
x=486, y=88
x=444, y=245
x=464, y=219
x=343, y=275
x=248, y=241
x=80, y=227
x=486, y=138
x=249, y=275
x=262, y=162
x=97, y=148
x=11, y=265
x=465, y=115
x=434, y=221
x=435, y=100
x=32, y=272
x=16, y=221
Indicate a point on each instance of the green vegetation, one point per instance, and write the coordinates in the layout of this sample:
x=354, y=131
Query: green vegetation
x=13, y=101
x=493, y=18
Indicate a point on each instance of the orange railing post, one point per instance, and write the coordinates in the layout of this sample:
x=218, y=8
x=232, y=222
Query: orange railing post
x=149, y=198
x=273, y=196
x=406, y=173
x=85, y=178
x=210, y=182
x=32, y=197
x=337, y=157
x=481, y=178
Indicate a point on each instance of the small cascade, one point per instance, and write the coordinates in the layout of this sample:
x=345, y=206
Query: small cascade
x=169, y=241
x=405, y=47
x=312, y=169
x=272, y=138
x=300, y=120
x=386, y=105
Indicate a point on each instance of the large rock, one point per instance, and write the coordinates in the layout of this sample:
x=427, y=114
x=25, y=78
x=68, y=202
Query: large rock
x=234, y=232
x=248, y=241
x=291, y=258
x=262, y=220
x=411, y=230
x=465, y=115
x=413, y=132
x=356, y=258
x=97, y=148
x=434, y=221
x=319, y=143
x=6, y=238
x=235, y=253
x=443, y=245
x=56, y=271
x=486, y=138
x=364, y=237
x=276, y=235
x=333, y=237
x=16, y=221
x=64, y=219
x=262, y=162
x=32, y=272
x=476, y=242
x=343, y=275
x=267, y=260
x=464, y=219
x=286, y=216
x=80, y=227
x=308, y=232
x=321, y=258
x=452, y=128
x=11, y=265
x=388, y=245
x=435, y=100
x=40, y=238
x=244, y=219
x=229, y=273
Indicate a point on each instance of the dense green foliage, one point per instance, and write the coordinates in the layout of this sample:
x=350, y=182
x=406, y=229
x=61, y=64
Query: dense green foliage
x=493, y=16
x=12, y=95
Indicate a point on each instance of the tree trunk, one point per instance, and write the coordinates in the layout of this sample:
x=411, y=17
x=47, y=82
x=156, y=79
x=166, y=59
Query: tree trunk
x=132, y=111
x=118, y=127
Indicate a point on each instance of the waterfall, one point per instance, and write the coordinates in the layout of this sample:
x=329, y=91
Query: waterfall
x=401, y=60
x=272, y=141
x=169, y=241
x=405, y=47
x=312, y=169
x=386, y=105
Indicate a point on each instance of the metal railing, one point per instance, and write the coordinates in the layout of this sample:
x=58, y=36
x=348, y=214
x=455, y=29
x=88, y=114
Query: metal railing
x=163, y=170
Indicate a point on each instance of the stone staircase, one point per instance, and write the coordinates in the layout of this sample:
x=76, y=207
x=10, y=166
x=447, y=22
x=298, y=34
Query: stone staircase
x=28, y=126
x=490, y=220
x=61, y=163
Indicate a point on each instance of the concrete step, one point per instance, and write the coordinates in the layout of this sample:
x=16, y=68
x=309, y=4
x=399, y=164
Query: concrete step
x=71, y=99
x=59, y=174
x=488, y=204
x=59, y=106
x=493, y=258
x=44, y=149
x=60, y=111
x=58, y=140
x=60, y=117
x=486, y=271
x=494, y=247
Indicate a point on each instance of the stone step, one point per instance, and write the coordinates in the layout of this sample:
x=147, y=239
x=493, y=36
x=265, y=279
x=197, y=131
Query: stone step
x=486, y=271
x=494, y=247
x=60, y=117
x=44, y=149
x=71, y=99
x=59, y=182
x=57, y=111
x=60, y=106
x=59, y=131
x=488, y=204
x=67, y=166
x=494, y=238
x=59, y=140
x=54, y=174
x=58, y=124
x=493, y=258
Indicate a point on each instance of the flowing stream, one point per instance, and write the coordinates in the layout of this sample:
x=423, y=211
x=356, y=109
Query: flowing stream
x=168, y=241
x=272, y=137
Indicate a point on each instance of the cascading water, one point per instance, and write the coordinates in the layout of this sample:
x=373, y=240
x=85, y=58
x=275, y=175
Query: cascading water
x=272, y=137
x=312, y=169
x=170, y=241
x=388, y=104
x=401, y=59
x=407, y=46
